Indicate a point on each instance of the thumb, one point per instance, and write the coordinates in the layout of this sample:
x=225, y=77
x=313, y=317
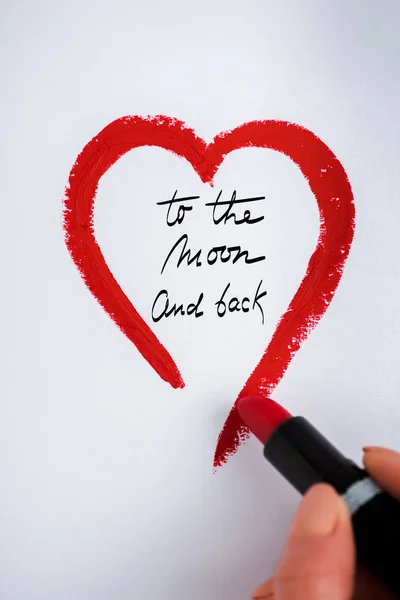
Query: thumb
x=319, y=559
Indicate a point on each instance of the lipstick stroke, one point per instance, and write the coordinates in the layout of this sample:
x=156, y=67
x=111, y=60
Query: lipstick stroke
x=328, y=182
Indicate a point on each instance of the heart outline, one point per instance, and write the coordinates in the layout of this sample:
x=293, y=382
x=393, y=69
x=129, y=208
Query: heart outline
x=328, y=182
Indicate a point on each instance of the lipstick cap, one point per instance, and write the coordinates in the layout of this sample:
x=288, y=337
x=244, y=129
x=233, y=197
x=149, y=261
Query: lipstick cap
x=305, y=457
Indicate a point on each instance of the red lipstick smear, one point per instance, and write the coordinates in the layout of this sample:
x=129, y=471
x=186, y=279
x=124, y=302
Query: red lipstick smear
x=328, y=182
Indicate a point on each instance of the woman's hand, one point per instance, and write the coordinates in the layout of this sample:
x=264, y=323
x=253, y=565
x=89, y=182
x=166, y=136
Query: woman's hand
x=318, y=562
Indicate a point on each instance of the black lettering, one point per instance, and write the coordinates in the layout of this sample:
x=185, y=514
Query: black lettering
x=175, y=310
x=258, y=297
x=244, y=254
x=185, y=254
x=247, y=216
x=229, y=213
x=221, y=304
x=182, y=209
x=234, y=304
x=245, y=310
x=228, y=255
x=194, y=308
x=165, y=308
x=213, y=260
x=166, y=312
x=216, y=204
x=214, y=251
x=225, y=254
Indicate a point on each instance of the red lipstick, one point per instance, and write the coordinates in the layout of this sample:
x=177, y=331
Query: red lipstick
x=262, y=416
x=305, y=457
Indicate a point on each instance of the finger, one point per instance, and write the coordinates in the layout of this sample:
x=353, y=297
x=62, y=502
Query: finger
x=319, y=560
x=384, y=467
x=266, y=591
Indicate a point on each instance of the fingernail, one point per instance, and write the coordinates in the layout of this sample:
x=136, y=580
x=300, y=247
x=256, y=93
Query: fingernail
x=368, y=449
x=379, y=450
x=318, y=513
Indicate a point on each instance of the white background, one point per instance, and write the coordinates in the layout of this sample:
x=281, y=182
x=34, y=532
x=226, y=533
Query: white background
x=107, y=489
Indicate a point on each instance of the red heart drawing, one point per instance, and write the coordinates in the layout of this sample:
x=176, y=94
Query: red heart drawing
x=328, y=182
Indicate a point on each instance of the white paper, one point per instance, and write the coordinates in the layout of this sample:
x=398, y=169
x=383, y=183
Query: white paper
x=107, y=487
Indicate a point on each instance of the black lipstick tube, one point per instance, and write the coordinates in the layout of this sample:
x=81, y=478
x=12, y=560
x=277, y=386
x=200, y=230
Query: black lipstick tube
x=304, y=457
